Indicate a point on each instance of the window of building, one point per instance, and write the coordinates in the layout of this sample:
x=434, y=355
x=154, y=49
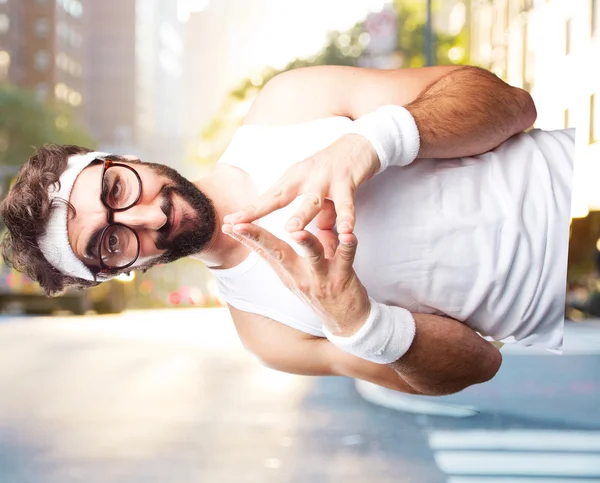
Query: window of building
x=76, y=8
x=4, y=64
x=42, y=28
x=594, y=13
x=75, y=98
x=526, y=5
x=61, y=91
x=594, y=119
x=41, y=60
x=524, y=53
x=4, y=23
x=568, y=29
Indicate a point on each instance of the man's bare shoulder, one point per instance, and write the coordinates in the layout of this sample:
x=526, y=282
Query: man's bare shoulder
x=310, y=93
x=296, y=96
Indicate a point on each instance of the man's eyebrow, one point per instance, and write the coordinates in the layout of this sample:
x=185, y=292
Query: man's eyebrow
x=92, y=245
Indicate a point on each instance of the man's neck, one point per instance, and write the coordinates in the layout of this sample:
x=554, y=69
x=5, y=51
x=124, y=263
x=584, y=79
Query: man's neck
x=223, y=251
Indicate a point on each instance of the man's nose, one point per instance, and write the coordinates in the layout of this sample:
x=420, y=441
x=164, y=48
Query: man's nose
x=142, y=216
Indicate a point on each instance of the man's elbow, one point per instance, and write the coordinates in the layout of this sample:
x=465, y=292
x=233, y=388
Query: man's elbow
x=527, y=112
x=483, y=372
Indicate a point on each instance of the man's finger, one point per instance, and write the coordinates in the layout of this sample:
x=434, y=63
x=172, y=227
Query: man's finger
x=271, y=248
x=343, y=198
x=312, y=203
x=314, y=251
x=329, y=240
x=346, y=251
x=325, y=220
x=279, y=195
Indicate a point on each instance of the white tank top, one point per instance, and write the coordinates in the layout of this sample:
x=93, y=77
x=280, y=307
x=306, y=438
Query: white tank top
x=481, y=239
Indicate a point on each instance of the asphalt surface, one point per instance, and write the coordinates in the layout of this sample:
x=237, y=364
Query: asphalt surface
x=172, y=397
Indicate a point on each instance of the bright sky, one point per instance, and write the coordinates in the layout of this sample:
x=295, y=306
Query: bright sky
x=275, y=31
x=300, y=27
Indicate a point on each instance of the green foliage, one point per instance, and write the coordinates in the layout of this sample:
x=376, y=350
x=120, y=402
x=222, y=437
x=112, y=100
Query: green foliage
x=343, y=48
x=412, y=23
x=27, y=123
x=412, y=19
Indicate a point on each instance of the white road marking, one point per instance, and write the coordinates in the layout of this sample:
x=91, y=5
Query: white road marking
x=508, y=463
x=510, y=479
x=517, y=456
x=517, y=439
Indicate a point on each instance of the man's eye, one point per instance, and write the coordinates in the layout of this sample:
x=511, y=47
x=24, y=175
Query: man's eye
x=117, y=190
x=113, y=243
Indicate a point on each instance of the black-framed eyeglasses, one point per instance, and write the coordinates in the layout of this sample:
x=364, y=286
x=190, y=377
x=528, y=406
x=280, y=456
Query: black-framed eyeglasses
x=120, y=189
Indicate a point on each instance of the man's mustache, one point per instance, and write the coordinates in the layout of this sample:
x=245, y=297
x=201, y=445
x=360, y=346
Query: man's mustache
x=162, y=240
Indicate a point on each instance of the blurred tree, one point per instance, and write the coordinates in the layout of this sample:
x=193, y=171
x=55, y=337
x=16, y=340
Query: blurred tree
x=342, y=48
x=26, y=123
x=412, y=18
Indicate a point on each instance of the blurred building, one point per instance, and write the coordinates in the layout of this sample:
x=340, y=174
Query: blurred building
x=110, y=74
x=551, y=48
x=134, y=78
x=42, y=48
x=159, y=82
x=207, y=76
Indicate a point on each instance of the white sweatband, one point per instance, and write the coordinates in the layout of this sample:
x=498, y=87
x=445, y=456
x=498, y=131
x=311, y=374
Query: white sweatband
x=384, y=338
x=54, y=243
x=393, y=132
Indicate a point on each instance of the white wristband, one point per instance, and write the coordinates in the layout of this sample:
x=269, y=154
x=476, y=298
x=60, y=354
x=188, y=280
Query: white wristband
x=393, y=132
x=384, y=338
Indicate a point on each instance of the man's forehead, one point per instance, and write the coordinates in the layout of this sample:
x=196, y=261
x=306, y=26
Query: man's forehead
x=85, y=198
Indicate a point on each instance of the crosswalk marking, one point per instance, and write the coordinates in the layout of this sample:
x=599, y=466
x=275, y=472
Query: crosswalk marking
x=507, y=463
x=517, y=456
x=517, y=439
x=502, y=479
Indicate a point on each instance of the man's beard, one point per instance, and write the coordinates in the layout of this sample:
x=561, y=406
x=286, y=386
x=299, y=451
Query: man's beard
x=192, y=240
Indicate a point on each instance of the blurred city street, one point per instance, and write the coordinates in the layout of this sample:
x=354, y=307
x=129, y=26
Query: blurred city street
x=171, y=396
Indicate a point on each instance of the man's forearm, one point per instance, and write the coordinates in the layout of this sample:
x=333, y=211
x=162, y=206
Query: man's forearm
x=446, y=356
x=467, y=112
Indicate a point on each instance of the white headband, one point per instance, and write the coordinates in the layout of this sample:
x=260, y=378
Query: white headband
x=54, y=244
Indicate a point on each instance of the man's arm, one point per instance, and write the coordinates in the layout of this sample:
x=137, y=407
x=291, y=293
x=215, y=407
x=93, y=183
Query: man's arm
x=459, y=110
x=445, y=357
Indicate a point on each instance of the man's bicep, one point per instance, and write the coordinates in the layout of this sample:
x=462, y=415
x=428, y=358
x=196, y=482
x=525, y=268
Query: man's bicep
x=311, y=93
x=281, y=347
x=285, y=349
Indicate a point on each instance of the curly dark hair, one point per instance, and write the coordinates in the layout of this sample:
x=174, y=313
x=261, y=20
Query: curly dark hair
x=25, y=210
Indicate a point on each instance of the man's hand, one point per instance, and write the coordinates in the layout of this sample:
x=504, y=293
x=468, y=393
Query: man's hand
x=333, y=173
x=329, y=286
x=445, y=357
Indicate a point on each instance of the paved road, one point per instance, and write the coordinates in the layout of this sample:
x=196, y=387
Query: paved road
x=171, y=397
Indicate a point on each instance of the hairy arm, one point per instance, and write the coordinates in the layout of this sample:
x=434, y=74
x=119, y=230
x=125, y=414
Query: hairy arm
x=445, y=358
x=469, y=111
x=459, y=110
